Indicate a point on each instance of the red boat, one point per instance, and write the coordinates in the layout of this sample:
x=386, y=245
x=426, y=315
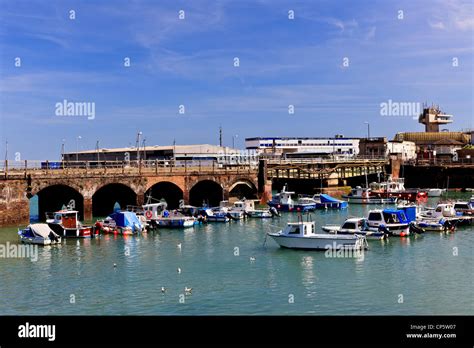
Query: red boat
x=67, y=225
x=396, y=188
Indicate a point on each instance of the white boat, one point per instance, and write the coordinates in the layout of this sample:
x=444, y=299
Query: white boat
x=248, y=207
x=301, y=235
x=235, y=211
x=175, y=220
x=40, y=234
x=441, y=210
x=435, y=192
x=215, y=215
x=355, y=226
x=392, y=221
x=361, y=195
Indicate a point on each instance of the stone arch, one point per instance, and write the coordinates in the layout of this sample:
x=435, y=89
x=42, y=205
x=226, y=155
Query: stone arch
x=53, y=197
x=106, y=195
x=243, y=187
x=167, y=190
x=206, y=190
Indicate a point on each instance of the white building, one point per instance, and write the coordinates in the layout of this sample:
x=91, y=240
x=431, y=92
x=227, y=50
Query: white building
x=406, y=148
x=304, y=147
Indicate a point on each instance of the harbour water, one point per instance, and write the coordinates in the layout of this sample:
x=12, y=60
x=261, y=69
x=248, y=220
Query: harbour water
x=428, y=274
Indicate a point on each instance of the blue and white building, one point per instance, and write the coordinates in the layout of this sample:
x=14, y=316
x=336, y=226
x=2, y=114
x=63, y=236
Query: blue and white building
x=304, y=147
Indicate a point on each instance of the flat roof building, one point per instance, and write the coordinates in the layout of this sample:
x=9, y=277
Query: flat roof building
x=301, y=146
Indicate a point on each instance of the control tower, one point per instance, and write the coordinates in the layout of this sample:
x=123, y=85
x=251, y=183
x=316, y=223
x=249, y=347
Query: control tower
x=432, y=117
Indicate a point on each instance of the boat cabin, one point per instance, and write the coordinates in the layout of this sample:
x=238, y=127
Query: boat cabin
x=154, y=210
x=244, y=205
x=355, y=224
x=387, y=217
x=65, y=218
x=300, y=229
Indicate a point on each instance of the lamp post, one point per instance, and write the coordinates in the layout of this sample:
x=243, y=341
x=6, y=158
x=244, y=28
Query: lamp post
x=368, y=129
x=77, y=147
x=62, y=149
x=138, y=146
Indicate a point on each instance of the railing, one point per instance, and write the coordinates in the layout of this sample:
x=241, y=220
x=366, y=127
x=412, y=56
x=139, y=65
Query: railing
x=364, y=159
x=16, y=169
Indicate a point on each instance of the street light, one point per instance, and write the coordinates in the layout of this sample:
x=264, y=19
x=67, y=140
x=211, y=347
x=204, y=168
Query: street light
x=138, y=146
x=62, y=149
x=77, y=147
x=368, y=129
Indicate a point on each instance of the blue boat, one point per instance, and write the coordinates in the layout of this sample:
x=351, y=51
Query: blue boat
x=324, y=201
x=121, y=222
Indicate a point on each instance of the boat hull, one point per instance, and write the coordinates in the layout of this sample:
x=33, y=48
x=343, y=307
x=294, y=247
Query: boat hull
x=320, y=242
x=370, y=200
x=38, y=240
x=292, y=207
x=174, y=223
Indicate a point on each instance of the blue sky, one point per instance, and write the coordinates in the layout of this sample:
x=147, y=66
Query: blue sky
x=191, y=62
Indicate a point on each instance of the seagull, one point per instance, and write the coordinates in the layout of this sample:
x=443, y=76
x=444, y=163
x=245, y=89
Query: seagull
x=252, y=259
x=188, y=290
x=179, y=246
x=115, y=265
x=179, y=270
x=163, y=289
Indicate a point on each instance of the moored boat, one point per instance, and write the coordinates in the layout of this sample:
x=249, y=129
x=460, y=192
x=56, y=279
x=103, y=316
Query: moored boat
x=361, y=195
x=435, y=192
x=66, y=224
x=40, y=234
x=301, y=235
x=396, y=188
x=120, y=222
x=355, y=226
x=392, y=221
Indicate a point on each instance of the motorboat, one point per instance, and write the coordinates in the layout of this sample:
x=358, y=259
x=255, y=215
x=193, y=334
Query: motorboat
x=441, y=210
x=248, y=207
x=396, y=188
x=235, y=211
x=357, y=226
x=325, y=201
x=302, y=235
x=435, y=192
x=283, y=201
x=435, y=226
x=362, y=195
x=175, y=219
x=216, y=215
x=121, y=222
x=392, y=221
x=465, y=208
x=66, y=223
x=40, y=234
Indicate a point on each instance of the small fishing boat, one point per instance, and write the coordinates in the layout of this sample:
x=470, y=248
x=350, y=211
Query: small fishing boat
x=283, y=201
x=66, y=223
x=248, y=207
x=396, y=188
x=120, y=222
x=234, y=212
x=40, y=234
x=392, y=221
x=325, y=201
x=355, y=226
x=361, y=195
x=216, y=215
x=175, y=220
x=435, y=192
x=464, y=208
x=301, y=235
x=435, y=226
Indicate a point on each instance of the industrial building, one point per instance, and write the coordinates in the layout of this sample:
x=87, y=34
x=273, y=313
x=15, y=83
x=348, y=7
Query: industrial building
x=202, y=152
